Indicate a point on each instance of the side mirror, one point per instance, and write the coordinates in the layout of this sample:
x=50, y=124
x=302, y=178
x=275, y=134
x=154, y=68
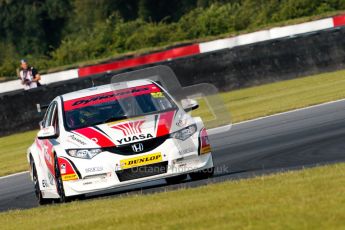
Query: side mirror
x=40, y=124
x=47, y=133
x=189, y=104
x=41, y=107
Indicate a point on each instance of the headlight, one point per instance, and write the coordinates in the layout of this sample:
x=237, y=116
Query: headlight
x=83, y=153
x=184, y=133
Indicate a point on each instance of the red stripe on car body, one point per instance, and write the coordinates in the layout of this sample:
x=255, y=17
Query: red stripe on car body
x=165, y=123
x=96, y=136
x=65, y=166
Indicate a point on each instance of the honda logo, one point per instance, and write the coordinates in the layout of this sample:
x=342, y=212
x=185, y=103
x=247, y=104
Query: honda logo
x=138, y=147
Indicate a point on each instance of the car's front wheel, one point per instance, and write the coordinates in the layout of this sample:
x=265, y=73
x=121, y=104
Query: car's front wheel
x=202, y=174
x=38, y=192
x=59, y=182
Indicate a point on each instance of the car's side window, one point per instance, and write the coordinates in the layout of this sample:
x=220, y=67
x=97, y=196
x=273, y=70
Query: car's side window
x=48, y=117
x=55, y=121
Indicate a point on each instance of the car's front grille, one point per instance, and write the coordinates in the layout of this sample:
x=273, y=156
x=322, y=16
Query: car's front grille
x=148, y=145
x=142, y=171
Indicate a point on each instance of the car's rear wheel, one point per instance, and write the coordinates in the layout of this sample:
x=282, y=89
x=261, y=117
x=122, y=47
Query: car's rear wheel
x=38, y=192
x=202, y=174
x=176, y=179
x=59, y=182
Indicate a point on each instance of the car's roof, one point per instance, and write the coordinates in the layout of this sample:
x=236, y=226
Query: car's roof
x=103, y=89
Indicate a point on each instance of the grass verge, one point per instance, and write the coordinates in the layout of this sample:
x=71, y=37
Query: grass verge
x=306, y=199
x=243, y=105
x=13, y=152
x=264, y=100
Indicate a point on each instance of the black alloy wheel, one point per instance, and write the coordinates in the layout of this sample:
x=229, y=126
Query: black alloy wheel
x=38, y=192
x=59, y=182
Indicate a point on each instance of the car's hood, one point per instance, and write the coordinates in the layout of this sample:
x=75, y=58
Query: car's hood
x=128, y=131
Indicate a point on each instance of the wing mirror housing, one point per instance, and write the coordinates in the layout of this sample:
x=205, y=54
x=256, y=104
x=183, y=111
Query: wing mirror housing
x=41, y=107
x=40, y=124
x=47, y=133
x=189, y=104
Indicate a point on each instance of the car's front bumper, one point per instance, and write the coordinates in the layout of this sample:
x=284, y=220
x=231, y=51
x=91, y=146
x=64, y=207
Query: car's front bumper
x=109, y=179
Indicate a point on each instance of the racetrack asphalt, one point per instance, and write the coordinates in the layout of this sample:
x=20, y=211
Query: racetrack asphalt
x=288, y=141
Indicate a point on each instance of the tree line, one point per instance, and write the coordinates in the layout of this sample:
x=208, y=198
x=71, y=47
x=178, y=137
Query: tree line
x=53, y=33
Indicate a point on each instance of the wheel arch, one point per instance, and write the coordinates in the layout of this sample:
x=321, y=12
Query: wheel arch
x=33, y=158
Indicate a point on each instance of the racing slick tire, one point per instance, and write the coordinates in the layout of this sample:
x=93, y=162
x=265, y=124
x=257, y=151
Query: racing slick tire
x=202, y=174
x=176, y=179
x=38, y=192
x=59, y=182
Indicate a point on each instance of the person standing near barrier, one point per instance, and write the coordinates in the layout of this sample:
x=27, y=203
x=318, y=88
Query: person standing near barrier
x=29, y=76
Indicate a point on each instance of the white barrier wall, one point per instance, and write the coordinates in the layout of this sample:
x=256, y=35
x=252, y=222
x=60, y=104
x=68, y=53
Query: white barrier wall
x=59, y=76
x=9, y=86
x=264, y=35
x=45, y=79
x=307, y=27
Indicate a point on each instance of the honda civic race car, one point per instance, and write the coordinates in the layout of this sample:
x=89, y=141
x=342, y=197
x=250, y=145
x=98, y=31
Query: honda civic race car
x=110, y=136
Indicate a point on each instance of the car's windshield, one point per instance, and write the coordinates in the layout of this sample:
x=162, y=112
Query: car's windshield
x=116, y=105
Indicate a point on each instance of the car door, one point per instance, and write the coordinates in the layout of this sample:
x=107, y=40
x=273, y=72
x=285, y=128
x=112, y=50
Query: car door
x=50, y=119
x=43, y=124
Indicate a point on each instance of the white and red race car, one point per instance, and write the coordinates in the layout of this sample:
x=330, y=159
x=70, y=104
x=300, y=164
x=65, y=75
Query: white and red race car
x=104, y=137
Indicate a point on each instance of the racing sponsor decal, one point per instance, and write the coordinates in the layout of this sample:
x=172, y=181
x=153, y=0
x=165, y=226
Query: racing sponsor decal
x=164, y=123
x=181, y=123
x=75, y=139
x=204, y=144
x=142, y=160
x=129, y=128
x=93, y=134
x=157, y=95
x=94, y=139
x=68, y=177
x=132, y=132
x=134, y=138
x=45, y=184
x=63, y=168
x=94, y=169
x=67, y=170
x=186, y=150
x=109, y=96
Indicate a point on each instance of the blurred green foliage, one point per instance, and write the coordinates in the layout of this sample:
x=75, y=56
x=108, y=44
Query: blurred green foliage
x=51, y=33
